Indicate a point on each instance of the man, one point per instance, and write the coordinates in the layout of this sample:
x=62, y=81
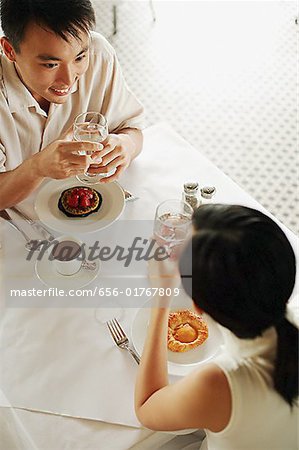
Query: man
x=52, y=69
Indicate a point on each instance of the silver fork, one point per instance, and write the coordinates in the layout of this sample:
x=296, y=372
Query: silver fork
x=37, y=226
x=30, y=244
x=129, y=197
x=120, y=338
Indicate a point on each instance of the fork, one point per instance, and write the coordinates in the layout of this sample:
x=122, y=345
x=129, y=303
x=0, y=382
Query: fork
x=120, y=338
x=129, y=197
x=30, y=244
x=37, y=226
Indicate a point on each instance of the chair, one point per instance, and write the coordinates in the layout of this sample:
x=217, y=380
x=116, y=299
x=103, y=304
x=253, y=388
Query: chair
x=117, y=2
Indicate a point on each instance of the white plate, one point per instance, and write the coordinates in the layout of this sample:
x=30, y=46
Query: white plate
x=179, y=364
x=46, y=206
x=48, y=275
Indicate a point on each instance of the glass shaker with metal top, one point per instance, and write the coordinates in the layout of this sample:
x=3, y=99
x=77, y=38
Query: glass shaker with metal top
x=206, y=194
x=191, y=194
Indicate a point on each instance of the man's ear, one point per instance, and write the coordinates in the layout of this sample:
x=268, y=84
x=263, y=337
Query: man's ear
x=8, y=49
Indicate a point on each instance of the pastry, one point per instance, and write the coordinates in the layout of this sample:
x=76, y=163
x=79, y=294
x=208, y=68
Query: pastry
x=79, y=201
x=186, y=330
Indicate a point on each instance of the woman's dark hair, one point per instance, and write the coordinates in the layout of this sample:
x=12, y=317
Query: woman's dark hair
x=243, y=273
x=64, y=17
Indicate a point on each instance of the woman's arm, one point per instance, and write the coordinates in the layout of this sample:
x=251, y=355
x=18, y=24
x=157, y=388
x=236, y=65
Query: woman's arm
x=200, y=400
x=152, y=374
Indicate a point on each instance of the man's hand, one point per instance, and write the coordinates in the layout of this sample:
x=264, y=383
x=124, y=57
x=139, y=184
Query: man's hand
x=60, y=159
x=118, y=152
x=116, y=156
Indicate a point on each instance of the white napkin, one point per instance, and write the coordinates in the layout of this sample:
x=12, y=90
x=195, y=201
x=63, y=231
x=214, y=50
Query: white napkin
x=63, y=361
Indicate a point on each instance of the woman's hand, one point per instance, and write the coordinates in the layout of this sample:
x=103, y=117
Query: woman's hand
x=165, y=275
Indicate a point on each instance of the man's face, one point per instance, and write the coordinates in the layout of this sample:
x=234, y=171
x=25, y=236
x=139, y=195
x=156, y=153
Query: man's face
x=48, y=65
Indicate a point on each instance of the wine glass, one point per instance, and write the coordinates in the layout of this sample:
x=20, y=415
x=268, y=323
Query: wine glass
x=90, y=127
x=172, y=225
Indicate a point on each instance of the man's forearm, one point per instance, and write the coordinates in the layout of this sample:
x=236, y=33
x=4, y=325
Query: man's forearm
x=17, y=184
x=59, y=160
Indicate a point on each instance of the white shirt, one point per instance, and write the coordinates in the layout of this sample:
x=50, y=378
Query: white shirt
x=26, y=128
x=261, y=419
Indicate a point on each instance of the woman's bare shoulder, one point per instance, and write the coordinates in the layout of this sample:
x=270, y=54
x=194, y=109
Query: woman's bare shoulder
x=200, y=400
x=215, y=397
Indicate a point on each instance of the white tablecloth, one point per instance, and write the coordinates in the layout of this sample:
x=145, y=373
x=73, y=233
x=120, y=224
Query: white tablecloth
x=60, y=362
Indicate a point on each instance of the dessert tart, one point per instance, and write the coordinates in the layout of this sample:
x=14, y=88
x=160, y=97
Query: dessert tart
x=79, y=201
x=186, y=330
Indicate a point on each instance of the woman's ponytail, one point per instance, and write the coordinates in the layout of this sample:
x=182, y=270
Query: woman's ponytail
x=285, y=375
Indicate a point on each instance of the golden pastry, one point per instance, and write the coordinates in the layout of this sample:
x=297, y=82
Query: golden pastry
x=186, y=330
x=79, y=201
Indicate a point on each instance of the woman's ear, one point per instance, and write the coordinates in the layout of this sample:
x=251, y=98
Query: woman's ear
x=197, y=309
x=8, y=49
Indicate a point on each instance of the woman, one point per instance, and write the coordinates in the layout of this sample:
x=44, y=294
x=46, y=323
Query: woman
x=243, y=273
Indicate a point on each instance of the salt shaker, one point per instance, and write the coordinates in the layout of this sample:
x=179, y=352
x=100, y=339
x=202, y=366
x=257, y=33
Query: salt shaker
x=190, y=194
x=206, y=194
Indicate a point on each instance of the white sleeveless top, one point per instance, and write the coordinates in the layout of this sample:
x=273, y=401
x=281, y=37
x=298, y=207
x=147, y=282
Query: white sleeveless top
x=261, y=419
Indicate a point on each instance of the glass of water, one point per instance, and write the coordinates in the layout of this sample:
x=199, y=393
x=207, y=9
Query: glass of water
x=172, y=225
x=90, y=127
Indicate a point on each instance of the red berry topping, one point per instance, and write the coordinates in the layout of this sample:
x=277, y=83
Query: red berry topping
x=84, y=192
x=73, y=200
x=84, y=202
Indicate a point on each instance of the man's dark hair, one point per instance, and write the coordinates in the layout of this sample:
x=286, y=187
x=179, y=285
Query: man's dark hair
x=64, y=17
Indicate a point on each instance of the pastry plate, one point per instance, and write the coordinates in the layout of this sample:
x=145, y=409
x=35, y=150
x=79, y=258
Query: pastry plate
x=48, y=275
x=179, y=364
x=46, y=207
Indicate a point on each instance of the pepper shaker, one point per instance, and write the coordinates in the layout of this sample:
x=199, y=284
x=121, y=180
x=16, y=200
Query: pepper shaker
x=206, y=194
x=190, y=194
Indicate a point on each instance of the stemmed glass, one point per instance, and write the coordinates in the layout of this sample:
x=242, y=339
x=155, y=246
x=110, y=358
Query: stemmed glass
x=172, y=225
x=90, y=127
